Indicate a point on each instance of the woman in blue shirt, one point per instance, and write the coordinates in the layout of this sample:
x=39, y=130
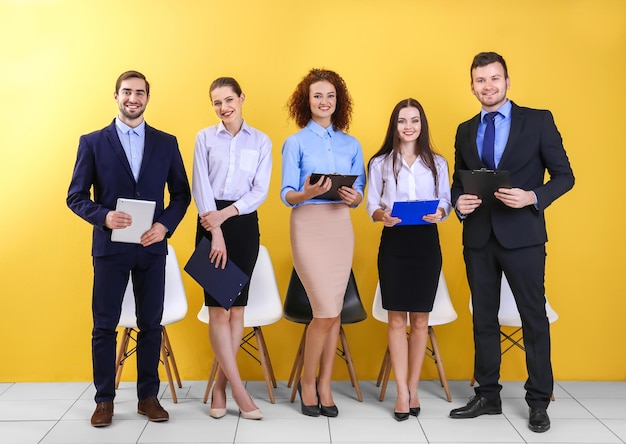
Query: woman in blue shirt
x=409, y=258
x=231, y=174
x=322, y=238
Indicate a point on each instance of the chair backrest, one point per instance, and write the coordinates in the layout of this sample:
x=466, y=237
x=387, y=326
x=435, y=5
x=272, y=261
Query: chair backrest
x=443, y=311
x=175, y=302
x=297, y=307
x=508, y=315
x=264, y=305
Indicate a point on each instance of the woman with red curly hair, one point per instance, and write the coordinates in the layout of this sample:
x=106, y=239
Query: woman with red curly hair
x=322, y=238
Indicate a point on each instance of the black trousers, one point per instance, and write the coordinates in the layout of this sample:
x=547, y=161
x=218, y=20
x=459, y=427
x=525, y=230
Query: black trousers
x=524, y=269
x=111, y=275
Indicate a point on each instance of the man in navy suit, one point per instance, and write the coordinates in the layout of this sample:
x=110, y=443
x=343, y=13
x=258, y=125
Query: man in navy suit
x=128, y=159
x=509, y=236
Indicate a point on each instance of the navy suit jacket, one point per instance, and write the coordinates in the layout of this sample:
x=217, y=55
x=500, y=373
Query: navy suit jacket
x=534, y=146
x=101, y=163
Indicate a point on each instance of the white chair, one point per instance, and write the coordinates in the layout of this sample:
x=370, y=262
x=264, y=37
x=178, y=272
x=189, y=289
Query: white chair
x=508, y=316
x=443, y=312
x=174, y=310
x=264, y=308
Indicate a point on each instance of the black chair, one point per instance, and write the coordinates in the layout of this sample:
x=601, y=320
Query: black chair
x=297, y=308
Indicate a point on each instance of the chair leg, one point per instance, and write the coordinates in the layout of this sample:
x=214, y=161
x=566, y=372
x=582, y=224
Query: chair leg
x=168, y=371
x=212, y=375
x=385, y=371
x=122, y=355
x=345, y=354
x=383, y=365
x=266, y=364
x=437, y=358
x=298, y=363
x=170, y=354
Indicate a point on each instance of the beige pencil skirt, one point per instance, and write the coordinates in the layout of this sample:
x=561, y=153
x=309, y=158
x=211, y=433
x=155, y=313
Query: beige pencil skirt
x=322, y=244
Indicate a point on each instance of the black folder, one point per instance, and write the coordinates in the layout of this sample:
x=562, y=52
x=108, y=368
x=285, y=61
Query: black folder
x=483, y=183
x=224, y=285
x=338, y=180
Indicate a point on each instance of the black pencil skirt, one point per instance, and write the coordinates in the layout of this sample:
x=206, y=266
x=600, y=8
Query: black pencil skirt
x=241, y=234
x=409, y=263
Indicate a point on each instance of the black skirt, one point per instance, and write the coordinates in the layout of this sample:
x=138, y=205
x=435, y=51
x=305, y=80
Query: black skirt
x=241, y=234
x=409, y=263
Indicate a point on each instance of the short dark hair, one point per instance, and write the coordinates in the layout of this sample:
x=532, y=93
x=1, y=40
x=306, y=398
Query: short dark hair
x=226, y=81
x=131, y=75
x=487, y=58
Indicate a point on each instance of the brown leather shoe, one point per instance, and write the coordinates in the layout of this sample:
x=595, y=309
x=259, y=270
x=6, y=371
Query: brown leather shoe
x=152, y=409
x=103, y=416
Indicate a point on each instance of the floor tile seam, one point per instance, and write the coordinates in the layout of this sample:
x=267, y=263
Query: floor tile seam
x=601, y=421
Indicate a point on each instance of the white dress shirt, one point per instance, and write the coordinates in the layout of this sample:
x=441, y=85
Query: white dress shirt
x=415, y=182
x=235, y=168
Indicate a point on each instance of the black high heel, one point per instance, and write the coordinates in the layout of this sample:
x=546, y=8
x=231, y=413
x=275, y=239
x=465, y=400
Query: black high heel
x=330, y=411
x=308, y=410
x=414, y=411
x=401, y=416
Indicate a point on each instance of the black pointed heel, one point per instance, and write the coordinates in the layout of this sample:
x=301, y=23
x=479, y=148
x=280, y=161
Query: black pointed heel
x=414, y=411
x=308, y=410
x=401, y=416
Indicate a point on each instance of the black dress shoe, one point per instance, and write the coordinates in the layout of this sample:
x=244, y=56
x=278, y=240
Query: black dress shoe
x=538, y=420
x=329, y=410
x=414, y=411
x=478, y=406
x=401, y=416
x=308, y=410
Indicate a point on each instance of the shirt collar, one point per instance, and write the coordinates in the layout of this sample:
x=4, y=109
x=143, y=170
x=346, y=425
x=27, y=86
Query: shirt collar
x=319, y=129
x=222, y=129
x=125, y=129
x=505, y=110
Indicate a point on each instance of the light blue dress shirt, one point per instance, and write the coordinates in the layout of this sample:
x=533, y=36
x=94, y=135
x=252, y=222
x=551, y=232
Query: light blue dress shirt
x=133, y=142
x=315, y=149
x=503, y=128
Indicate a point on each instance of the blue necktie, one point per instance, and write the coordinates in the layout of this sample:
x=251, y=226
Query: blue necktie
x=489, y=141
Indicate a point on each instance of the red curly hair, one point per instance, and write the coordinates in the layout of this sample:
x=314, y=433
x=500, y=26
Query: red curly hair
x=300, y=109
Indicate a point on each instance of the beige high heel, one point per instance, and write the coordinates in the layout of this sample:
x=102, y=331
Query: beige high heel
x=217, y=413
x=252, y=414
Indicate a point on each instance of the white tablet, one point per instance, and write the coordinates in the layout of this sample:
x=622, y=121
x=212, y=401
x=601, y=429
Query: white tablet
x=142, y=212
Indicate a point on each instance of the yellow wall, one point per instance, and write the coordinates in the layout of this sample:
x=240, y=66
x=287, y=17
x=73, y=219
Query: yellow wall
x=60, y=60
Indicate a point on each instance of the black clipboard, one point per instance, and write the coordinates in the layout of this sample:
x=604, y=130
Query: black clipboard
x=224, y=285
x=483, y=183
x=412, y=211
x=338, y=180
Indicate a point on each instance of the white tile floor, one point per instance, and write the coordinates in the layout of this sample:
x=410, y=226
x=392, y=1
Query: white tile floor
x=584, y=412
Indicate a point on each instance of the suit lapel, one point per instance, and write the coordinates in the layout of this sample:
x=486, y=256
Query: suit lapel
x=473, y=148
x=517, y=123
x=114, y=141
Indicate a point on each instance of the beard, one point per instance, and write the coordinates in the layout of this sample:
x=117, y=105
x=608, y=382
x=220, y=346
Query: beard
x=131, y=115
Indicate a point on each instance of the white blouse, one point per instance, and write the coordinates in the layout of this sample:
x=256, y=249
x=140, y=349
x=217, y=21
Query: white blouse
x=414, y=183
x=231, y=168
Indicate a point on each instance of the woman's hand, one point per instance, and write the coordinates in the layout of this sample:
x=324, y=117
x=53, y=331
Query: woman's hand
x=350, y=195
x=436, y=216
x=388, y=220
x=218, y=255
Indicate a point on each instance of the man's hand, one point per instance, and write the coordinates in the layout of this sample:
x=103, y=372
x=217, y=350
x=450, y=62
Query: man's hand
x=515, y=197
x=116, y=220
x=153, y=235
x=467, y=203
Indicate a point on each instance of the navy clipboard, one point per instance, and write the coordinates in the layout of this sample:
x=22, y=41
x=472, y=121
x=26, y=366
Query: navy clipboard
x=224, y=285
x=338, y=180
x=483, y=183
x=412, y=211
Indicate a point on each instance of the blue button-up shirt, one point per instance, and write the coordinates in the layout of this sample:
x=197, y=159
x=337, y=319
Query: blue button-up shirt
x=133, y=141
x=315, y=149
x=503, y=128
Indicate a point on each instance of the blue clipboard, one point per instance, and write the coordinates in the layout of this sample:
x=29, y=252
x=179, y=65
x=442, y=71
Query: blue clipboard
x=412, y=211
x=224, y=285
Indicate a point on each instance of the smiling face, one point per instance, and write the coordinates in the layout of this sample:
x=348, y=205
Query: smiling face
x=227, y=106
x=132, y=100
x=323, y=102
x=489, y=85
x=409, y=125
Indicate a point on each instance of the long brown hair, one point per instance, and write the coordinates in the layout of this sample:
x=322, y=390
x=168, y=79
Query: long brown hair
x=423, y=143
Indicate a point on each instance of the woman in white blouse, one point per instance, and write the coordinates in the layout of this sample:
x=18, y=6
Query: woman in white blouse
x=409, y=257
x=231, y=174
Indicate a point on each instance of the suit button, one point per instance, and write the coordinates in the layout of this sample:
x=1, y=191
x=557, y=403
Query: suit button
x=137, y=194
